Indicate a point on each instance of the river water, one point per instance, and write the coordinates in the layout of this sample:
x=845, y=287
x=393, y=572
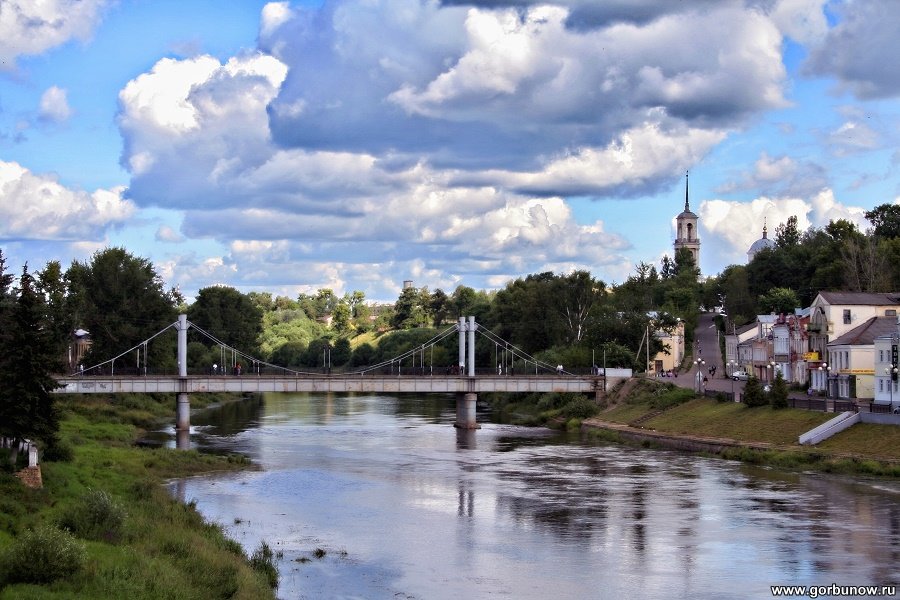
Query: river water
x=405, y=506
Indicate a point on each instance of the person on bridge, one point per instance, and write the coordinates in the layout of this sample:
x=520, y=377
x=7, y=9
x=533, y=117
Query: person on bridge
x=559, y=369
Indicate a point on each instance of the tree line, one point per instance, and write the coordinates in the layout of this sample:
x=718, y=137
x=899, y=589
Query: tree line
x=836, y=257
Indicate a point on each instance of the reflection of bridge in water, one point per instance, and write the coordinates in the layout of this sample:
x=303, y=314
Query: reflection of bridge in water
x=467, y=384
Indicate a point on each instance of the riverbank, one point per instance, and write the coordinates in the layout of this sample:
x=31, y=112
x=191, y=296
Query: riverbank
x=635, y=414
x=128, y=537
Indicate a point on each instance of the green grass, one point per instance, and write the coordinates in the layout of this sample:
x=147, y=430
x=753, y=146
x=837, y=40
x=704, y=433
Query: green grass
x=163, y=548
x=705, y=417
x=882, y=441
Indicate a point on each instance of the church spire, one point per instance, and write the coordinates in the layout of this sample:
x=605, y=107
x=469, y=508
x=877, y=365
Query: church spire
x=687, y=206
x=765, y=233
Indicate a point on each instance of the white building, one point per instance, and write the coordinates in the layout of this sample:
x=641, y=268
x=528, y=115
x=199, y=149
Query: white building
x=851, y=359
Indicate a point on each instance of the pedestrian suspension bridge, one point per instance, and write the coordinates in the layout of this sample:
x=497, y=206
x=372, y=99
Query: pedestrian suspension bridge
x=413, y=371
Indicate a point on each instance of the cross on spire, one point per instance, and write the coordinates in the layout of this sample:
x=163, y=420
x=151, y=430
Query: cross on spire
x=687, y=206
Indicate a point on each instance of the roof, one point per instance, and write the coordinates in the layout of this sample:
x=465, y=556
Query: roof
x=861, y=298
x=761, y=244
x=865, y=334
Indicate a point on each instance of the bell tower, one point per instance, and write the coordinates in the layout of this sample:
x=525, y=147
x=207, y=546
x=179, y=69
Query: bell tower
x=686, y=233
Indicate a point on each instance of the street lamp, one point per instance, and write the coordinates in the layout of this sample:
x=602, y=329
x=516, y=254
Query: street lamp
x=825, y=369
x=891, y=372
x=733, y=364
x=699, y=364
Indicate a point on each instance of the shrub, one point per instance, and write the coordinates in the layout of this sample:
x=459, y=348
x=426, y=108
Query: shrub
x=754, y=394
x=96, y=516
x=263, y=562
x=579, y=407
x=58, y=451
x=41, y=555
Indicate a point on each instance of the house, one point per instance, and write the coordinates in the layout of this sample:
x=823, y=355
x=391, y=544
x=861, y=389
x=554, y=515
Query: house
x=832, y=314
x=851, y=359
x=673, y=343
x=886, y=368
x=733, y=360
x=79, y=344
x=789, y=345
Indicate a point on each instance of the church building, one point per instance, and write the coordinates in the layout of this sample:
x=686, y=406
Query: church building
x=686, y=233
x=762, y=243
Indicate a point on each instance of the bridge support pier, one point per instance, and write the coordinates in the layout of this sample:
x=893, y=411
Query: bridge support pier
x=183, y=413
x=465, y=411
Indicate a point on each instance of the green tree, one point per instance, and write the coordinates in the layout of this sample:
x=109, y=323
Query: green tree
x=779, y=301
x=52, y=284
x=120, y=300
x=27, y=405
x=787, y=234
x=340, y=318
x=408, y=310
x=778, y=395
x=230, y=316
x=886, y=219
x=439, y=306
x=753, y=393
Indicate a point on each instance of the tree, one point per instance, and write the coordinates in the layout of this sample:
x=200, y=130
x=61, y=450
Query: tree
x=340, y=317
x=232, y=317
x=886, y=219
x=753, y=393
x=120, y=300
x=408, y=310
x=27, y=405
x=52, y=285
x=779, y=301
x=575, y=295
x=439, y=306
x=778, y=395
x=787, y=234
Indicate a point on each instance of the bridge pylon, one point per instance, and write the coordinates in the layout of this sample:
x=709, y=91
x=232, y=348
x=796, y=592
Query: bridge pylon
x=466, y=402
x=183, y=407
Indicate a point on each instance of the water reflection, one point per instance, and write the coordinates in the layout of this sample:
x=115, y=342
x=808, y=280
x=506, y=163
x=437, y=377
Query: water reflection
x=408, y=506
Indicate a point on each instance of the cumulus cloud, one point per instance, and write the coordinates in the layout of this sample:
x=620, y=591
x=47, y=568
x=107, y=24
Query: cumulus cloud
x=54, y=105
x=780, y=176
x=373, y=142
x=38, y=207
x=29, y=28
x=740, y=224
x=167, y=234
x=860, y=49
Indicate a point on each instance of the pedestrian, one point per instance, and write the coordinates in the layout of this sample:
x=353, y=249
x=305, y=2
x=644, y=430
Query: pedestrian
x=559, y=369
x=215, y=368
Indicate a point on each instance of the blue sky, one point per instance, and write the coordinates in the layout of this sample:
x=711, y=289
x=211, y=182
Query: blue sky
x=354, y=144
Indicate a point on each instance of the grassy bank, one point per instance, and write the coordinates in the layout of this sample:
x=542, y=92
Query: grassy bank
x=104, y=527
x=658, y=407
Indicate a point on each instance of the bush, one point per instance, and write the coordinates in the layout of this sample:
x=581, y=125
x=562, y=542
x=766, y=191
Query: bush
x=41, y=555
x=58, y=451
x=754, y=394
x=579, y=407
x=96, y=516
x=263, y=561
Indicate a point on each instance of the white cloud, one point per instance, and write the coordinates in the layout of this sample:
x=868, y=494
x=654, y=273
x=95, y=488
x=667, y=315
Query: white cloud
x=54, y=106
x=450, y=156
x=167, y=234
x=861, y=49
x=38, y=207
x=29, y=28
x=740, y=224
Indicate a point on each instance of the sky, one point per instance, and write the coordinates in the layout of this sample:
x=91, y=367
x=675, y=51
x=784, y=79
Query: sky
x=285, y=147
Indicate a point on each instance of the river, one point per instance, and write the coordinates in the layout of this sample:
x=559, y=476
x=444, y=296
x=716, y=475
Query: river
x=404, y=506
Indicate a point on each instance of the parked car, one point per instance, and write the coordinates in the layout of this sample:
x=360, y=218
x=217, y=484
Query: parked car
x=740, y=376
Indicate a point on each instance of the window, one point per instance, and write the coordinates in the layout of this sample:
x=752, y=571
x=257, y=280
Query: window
x=891, y=312
x=846, y=316
x=881, y=356
x=881, y=385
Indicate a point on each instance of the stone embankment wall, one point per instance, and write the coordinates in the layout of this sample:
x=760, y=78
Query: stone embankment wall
x=31, y=477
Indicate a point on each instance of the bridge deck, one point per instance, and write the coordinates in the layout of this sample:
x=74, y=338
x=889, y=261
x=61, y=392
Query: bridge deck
x=333, y=383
